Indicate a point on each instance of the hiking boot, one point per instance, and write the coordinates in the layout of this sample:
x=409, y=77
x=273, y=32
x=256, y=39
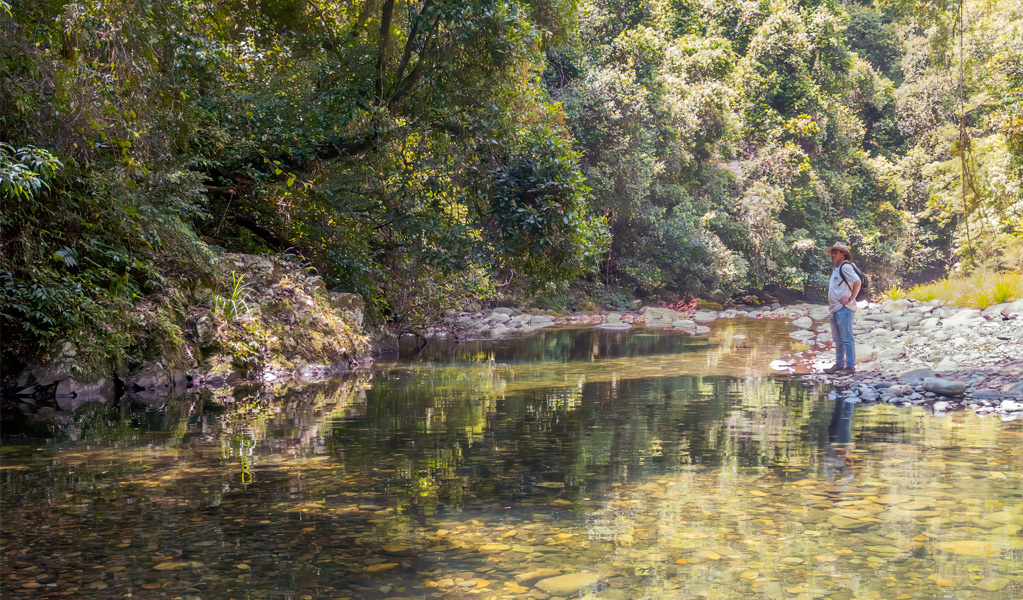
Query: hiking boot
x=834, y=370
x=848, y=370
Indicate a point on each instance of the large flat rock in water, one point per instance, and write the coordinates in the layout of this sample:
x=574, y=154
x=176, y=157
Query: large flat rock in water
x=566, y=585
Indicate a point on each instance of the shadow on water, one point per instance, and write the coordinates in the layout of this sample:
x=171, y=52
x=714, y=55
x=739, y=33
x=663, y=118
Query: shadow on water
x=664, y=465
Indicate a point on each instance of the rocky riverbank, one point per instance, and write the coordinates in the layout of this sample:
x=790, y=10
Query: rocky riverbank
x=279, y=322
x=941, y=357
x=908, y=353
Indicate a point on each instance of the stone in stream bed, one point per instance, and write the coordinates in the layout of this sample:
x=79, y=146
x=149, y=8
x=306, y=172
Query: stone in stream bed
x=565, y=585
x=993, y=584
x=847, y=524
x=537, y=574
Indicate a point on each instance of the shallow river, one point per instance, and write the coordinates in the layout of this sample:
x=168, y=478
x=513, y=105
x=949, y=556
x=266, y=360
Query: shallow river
x=573, y=461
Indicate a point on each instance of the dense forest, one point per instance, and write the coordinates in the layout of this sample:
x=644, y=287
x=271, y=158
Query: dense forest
x=435, y=153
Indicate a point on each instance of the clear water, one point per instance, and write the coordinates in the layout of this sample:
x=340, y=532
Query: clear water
x=649, y=465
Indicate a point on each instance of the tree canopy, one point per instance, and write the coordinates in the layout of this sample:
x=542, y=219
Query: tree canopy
x=434, y=153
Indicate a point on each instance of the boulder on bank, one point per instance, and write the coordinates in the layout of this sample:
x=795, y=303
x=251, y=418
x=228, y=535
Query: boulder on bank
x=915, y=376
x=803, y=322
x=944, y=387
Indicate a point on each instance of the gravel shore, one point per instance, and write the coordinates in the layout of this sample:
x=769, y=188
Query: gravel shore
x=908, y=353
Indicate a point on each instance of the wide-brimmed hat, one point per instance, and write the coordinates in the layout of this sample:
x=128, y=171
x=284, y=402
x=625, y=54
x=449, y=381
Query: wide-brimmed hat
x=838, y=246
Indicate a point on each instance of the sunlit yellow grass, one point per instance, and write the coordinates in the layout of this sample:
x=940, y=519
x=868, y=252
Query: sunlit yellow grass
x=894, y=293
x=980, y=290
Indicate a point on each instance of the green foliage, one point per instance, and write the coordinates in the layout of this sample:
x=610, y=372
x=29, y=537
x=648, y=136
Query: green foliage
x=25, y=174
x=427, y=154
x=540, y=211
x=235, y=304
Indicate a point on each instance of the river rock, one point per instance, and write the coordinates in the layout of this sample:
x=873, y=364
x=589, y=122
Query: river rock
x=683, y=324
x=818, y=313
x=532, y=576
x=153, y=377
x=895, y=306
x=944, y=387
x=499, y=317
x=946, y=364
x=352, y=305
x=964, y=317
x=504, y=310
x=803, y=322
x=614, y=326
x=865, y=353
x=566, y=585
x=1013, y=309
x=889, y=354
x=98, y=391
x=915, y=376
x=705, y=316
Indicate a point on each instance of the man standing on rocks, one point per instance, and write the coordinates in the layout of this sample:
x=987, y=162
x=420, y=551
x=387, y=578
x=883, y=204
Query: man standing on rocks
x=842, y=290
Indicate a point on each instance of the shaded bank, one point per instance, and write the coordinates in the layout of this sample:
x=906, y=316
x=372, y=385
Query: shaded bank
x=274, y=320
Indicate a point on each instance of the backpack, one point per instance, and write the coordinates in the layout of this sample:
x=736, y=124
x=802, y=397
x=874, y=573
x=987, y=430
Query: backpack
x=864, y=282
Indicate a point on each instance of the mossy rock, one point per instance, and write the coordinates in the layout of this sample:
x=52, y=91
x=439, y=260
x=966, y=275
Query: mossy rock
x=708, y=305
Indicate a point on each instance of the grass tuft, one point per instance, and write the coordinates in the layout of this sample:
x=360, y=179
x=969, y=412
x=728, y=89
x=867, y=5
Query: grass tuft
x=894, y=293
x=980, y=290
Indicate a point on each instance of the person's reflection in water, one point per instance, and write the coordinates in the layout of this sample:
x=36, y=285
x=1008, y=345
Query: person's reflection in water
x=839, y=457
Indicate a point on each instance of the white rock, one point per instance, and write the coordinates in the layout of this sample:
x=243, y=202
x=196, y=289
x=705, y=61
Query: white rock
x=818, y=313
x=683, y=324
x=895, y=306
x=499, y=317
x=614, y=326
x=865, y=353
x=963, y=317
x=803, y=322
x=705, y=316
x=1013, y=308
x=889, y=354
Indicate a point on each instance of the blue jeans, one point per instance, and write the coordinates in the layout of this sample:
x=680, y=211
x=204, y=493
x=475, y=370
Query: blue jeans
x=841, y=332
